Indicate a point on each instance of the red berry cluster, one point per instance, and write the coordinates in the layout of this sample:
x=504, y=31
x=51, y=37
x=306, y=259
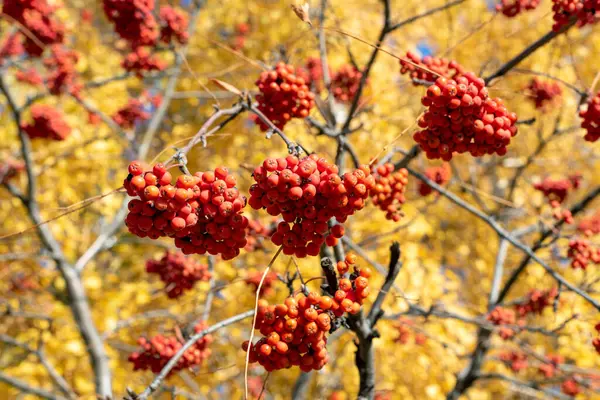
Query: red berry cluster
x=516, y=360
x=388, y=193
x=37, y=18
x=591, y=225
x=439, y=174
x=133, y=112
x=544, y=93
x=536, y=301
x=140, y=60
x=582, y=252
x=283, y=96
x=174, y=24
x=253, y=279
x=591, y=118
x=48, y=123
x=585, y=11
x=62, y=75
x=345, y=83
x=313, y=70
x=158, y=350
x=511, y=8
x=549, y=367
x=133, y=20
x=596, y=340
x=405, y=332
x=30, y=76
x=429, y=68
x=503, y=316
x=294, y=333
x=557, y=190
x=256, y=233
x=11, y=47
x=570, y=387
x=203, y=212
x=460, y=117
x=307, y=193
x=178, y=272
x=240, y=35
x=10, y=168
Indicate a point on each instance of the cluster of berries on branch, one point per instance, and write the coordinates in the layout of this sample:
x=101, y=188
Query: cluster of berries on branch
x=536, y=301
x=516, y=360
x=503, y=316
x=313, y=69
x=570, y=387
x=140, y=61
x=388, y=193
x=62, y=76
x=295, y=332
x=512, y=8
x=37, y=18
x=133, y=20
x=582, y=253
x=345, y=83
x=253, y=279
x=429, y=68
x=591, y=118
x=557, y=190
x=29, y=76
x=438, y=174
x=202, y=212
x=48, y=123
x=11, y=47
x=404, y=329
x=590, y=226
x=156, y=352
x=544, y=93
x=584, y=11
x=596, y=340
x=461, y=117
x=307, y=193
x=256, y=234
x=240, y=34
x=178, y=272
x=131, y=113
x=283, y=96
x=549, y=367
x=174, y=25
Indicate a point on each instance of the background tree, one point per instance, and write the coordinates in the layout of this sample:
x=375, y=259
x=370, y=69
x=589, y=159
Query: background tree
x=450, y=250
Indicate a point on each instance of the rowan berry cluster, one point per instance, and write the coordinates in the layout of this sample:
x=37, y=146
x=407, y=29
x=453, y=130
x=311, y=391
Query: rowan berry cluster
x=158, y=350
x=549, y=367
x=582, y=253
x=429, y=68
x=557, y=190
x=48, y=123
x=203, y=212
x=439, y=174
x=283, y=96
x=345, y=83
x=174, y=24
x=516, y=360
x=544, y=93
x=591, y=118
x=10, y=169
x=511, y=8
x=133, y=112
x=140, y=60
x=62, y=75
x=460, y=117
x=596, y=340
x=178, y=272
x=307, y=193
x=585, y=11
x=570, y=387
x=256, y=233
x=253, y=279
x=388, y=193
x=133, y=20
x=536, y=301
x=503, y=316
x=591, y=225
x=294, y=332
x=30, y=76
x=240, y=35
x=37, y=18
x=404, y=329
x=11, y=47
x=313, y=69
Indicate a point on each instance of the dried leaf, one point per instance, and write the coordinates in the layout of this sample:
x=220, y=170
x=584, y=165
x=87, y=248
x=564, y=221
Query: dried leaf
x=302, y=12
x=226, y=86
